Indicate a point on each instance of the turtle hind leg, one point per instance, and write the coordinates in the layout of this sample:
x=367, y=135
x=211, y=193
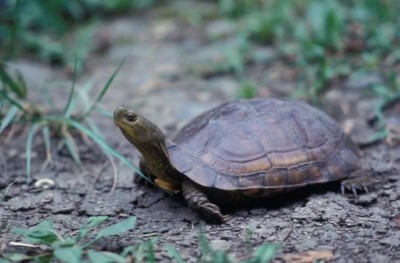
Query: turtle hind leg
x=358, y=181
x=198, y=201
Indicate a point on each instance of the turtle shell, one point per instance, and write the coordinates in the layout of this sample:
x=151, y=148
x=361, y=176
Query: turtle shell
x=263, y=146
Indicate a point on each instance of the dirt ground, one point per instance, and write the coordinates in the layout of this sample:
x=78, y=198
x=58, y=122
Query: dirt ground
x=167, y=79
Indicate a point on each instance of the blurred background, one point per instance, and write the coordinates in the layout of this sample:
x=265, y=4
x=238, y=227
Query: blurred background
x=321, y=41
x=65, y=65
x=61, y=56
x=174, y=59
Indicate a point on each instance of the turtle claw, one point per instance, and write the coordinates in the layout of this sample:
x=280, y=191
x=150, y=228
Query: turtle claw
x=213, y=213
x=357, y=182
x=354, y=192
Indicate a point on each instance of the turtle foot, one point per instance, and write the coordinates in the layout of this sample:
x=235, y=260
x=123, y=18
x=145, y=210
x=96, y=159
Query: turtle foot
x=197, y=200
x=358, y=181
x=212, y=212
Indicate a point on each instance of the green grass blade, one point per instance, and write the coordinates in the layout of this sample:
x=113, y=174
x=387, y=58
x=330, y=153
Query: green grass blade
x=29, y=140
x=265, y=253
x=8, y=118
x=104, y=257
x=94, y=128
x=72, y=147
x=6, y=190
x=173, y=252
x=151, y=254
x=18, y=89
x=70, y=254
x=14, y=257
x=47, y=141
x=105, y=88
x=106, y=148
x=84, y=96
x=105, y=112
x=12, y=101
x=116, y=229
x=43, y=233
x=67, y=109
x=22, y=84
x=95, y=221
x=90, y=224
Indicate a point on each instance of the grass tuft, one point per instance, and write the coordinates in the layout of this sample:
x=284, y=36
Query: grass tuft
x=65, y=124
x=70, y=248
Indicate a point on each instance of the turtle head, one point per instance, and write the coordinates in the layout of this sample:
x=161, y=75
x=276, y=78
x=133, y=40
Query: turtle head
x=150, y=141
x=136, y=129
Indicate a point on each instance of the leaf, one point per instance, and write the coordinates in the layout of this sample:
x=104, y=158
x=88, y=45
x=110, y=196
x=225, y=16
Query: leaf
x=44, y=258
x=396, y=219
x=220, y=257
x=43, y=233
x=67, y=109
x=47, y=145
x=265, y=253
x=105, y=89
x=234, y=59
x=104, y=257
x=174, y=253
x=90, y=224
x=15, y=257
x=115, y=229
x=72, y=147
x=8, y=118
x=105, y=147
x=151, y=255
x=29, y=139
x=22, y=85
x=6, y=190
x=95, y=221
x=71, y=254
x=118, y=228
x=95, y=128
x=19, y=89
x=13, y=101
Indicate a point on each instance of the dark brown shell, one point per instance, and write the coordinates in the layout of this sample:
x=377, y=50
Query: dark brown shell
x=262, y=146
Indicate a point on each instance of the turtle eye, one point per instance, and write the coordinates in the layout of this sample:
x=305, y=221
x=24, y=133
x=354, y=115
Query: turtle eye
x=131, y=117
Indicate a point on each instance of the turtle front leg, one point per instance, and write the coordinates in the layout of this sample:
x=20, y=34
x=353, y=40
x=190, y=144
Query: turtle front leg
x=197, y=200
x=358, y=181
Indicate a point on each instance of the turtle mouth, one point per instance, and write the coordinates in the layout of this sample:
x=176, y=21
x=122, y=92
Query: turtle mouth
x=119, y=114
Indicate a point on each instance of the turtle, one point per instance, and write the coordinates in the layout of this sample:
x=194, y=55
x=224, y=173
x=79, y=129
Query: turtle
x=241, y=150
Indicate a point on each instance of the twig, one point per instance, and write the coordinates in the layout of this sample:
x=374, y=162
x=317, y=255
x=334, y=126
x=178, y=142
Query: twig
x=102, y=169
x=115, y=173
x=288, y=232
x=20, y=244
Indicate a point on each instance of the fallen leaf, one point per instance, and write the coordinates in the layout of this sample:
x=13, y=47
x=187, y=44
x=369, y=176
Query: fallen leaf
x=393, y=128
x=396, y=219
x=308, y=256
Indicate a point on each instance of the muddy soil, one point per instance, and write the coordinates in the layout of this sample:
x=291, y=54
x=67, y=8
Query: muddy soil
x=167, y=77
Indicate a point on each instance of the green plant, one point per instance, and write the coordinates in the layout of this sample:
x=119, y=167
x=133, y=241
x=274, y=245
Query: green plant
x=13, y=95
x=388, y=96
x=70, y=248
x=262, y=254
x=49, y=245
x=247, y=90
x=325, y=40
x=42, y=28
